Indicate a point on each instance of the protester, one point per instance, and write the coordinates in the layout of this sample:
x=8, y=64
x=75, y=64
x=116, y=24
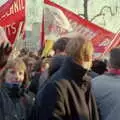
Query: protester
x=99, y=67
x=67, y=95
x=55, y=62
x=59, y=46
x=36, y=73
x=60, y=54
x=15, y=104
x=30, y=63
x=107, y=88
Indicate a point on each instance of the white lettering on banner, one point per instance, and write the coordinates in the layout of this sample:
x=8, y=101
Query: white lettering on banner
x=106, y=42
x=17, y=6
x=11, y=29
x=77, y=27
x=83, y=30
x=10, y=12
x=60, y=30
x=57, y=29
x=14, y=30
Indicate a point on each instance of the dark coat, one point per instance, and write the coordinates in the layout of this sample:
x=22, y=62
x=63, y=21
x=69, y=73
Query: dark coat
x=66, y=96
x=55, y=64
x=34, y=85
x=14, y=107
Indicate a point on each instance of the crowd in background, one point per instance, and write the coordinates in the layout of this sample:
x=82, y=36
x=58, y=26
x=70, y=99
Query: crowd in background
x=66, y=85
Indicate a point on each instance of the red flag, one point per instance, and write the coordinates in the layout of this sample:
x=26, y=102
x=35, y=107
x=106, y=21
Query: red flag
x=15, y=13
x=13, y=31
x=13, y=20
x=5, y=7
x=115, y=42
x=100, y=37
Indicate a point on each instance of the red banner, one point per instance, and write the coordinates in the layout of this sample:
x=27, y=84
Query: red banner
x=14, y=30
x=15, y=13
x=5, y=7
x=115, y=42
x=13, y=19
x=101, y=38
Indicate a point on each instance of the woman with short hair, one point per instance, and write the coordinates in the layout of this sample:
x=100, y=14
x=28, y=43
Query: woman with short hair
x=14, y=102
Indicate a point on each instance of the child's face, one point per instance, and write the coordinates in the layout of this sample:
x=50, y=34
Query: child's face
x=14, y=76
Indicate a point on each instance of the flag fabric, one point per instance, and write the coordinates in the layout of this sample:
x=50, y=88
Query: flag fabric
x=100, y=37
x=5, y=7
x=13, y=19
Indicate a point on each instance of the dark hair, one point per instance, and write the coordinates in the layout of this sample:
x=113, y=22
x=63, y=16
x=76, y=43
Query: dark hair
x=99, y=66
x=115, y=57
x=37, y=66
x=60, y=44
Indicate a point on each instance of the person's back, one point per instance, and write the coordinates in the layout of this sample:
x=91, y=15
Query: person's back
x=74, y=91
x=67, y=94
x=56, y=61
x=107, y=88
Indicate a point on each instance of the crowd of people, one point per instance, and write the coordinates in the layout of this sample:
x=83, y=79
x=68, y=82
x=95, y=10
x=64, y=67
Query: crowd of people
x=70, y=85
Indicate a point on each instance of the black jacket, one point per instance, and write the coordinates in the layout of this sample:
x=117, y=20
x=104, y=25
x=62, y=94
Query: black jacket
x=34, y=85
x=14, y=107
x=66, y=96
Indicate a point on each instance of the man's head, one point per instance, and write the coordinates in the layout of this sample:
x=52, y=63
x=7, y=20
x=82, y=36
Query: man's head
x=115, y=58
x=99, y=66
x=59, y=45
x=81, y=50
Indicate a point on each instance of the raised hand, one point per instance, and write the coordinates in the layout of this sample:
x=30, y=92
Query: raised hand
x=4, y=54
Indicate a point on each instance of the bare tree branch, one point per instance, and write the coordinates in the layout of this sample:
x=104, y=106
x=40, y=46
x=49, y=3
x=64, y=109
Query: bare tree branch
x=102, y=12
x=99, y=14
